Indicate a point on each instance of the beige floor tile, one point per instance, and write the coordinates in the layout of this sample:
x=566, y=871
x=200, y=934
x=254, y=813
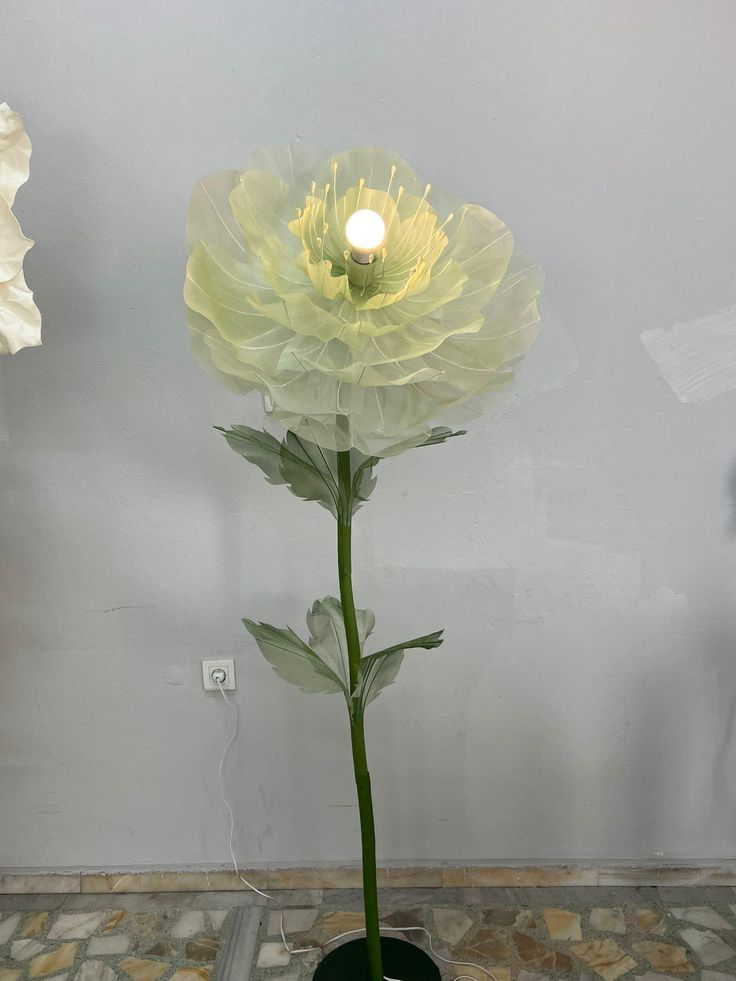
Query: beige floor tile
x=664, y=957
x=187, y=924
x=295, y=921
x=534, y=953
x=162, y=948
x=335, y=923
x=651, y=921
x=114, y=920
x=451, y=925
x=488, y=944
x=77, y=926
x=562, y=924
x=141, y=969
x=96, y=971
x=202, y=949
x=34, y=925
x=273, y=955
x=605, y=957
x=53, y=962
x=608, y=920
x=112, y=943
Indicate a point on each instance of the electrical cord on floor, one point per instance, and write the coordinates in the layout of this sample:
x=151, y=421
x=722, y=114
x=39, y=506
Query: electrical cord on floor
x=306, y=950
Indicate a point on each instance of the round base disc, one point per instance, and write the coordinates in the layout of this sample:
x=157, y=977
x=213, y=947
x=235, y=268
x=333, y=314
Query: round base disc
x=401, y=960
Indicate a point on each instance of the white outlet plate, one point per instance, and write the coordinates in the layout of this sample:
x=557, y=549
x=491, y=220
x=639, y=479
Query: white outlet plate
x=228, y=666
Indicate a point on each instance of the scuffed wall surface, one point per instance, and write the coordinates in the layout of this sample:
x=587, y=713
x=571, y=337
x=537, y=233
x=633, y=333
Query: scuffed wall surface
x=579, y=548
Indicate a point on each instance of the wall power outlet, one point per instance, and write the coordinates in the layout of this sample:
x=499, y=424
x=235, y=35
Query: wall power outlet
x=222, y=670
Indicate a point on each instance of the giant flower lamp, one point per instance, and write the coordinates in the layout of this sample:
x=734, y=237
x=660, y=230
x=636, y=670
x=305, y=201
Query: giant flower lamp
x=372, y=312
x=20, y=321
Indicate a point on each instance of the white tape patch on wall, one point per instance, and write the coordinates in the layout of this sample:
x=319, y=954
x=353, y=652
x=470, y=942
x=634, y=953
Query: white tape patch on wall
x=697, y=359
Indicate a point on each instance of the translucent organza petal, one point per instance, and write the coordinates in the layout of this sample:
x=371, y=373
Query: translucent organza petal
x=263, y=206
x=210, y=218
x=481, y=244
x=347, y=356
x=295, y=164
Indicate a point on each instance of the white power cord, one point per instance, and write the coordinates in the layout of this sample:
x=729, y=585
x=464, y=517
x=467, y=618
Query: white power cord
x=348, y=933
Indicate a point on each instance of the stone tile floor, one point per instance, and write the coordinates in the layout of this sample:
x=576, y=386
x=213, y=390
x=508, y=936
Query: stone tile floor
x=523, y=935
x=542, y=934
x=110, y=944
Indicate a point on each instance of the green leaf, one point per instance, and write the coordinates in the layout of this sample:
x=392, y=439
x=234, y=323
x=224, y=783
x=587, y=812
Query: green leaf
x=379, y=670
x=375, y=675
x=440, y=434
x=308, y=470
x=327, y=634
x=293, y=660
x=427, y=643
x=260, y=448
x=364, y=481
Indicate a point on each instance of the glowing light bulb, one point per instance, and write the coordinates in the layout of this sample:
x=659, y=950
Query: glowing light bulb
x=365, y=231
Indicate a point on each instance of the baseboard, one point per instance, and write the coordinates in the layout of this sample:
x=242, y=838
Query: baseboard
x=348, y=877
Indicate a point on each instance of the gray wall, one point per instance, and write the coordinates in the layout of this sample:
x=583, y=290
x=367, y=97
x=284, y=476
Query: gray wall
x=579, y=547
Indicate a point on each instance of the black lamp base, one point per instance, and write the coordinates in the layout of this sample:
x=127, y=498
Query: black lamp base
x=401, y=960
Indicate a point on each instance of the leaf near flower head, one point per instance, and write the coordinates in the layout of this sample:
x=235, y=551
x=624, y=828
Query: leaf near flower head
x=308, y=470
x=260, y=448
x=440, y=434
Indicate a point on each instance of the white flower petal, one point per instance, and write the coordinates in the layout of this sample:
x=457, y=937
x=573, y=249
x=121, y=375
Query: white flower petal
x=13, y=243
x=15, y=151
x=20, y=320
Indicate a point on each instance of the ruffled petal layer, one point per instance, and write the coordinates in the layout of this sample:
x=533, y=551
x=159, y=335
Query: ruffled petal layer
x=449, y=311
x=15, y=153
x=20, y=320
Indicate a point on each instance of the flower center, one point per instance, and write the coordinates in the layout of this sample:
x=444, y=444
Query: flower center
x=365, y=231
x=342, y=234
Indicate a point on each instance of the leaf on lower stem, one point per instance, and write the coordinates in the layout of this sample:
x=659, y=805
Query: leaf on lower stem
x=293, y=660
x=327, y=634
x=322, y=665
x=379, y=670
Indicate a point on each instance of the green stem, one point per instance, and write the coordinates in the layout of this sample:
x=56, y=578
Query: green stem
x=357, y=731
